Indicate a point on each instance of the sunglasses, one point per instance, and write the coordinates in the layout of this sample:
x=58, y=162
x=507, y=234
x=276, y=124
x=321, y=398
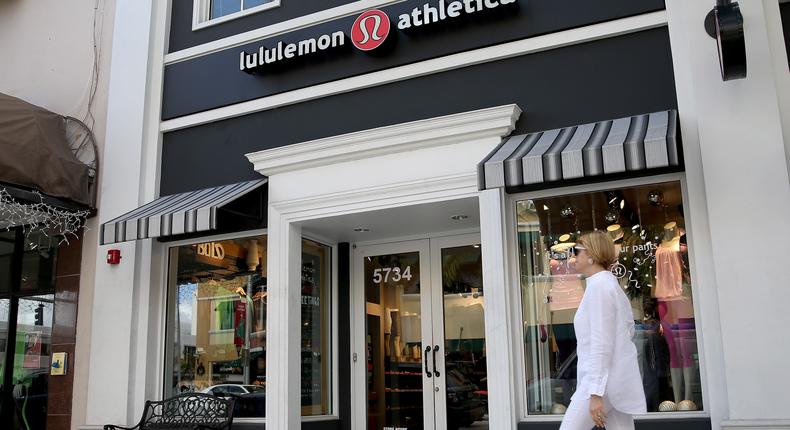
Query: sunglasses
x=576, y=249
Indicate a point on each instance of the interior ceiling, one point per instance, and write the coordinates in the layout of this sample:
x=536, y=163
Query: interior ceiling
x=398, y=222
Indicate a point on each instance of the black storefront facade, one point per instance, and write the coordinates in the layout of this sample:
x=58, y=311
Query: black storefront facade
x=363, y=215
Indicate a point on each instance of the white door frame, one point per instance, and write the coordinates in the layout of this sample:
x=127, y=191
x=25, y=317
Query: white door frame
x=442, y=154
x=432, y=327
x=358, y=312
x=437, y=300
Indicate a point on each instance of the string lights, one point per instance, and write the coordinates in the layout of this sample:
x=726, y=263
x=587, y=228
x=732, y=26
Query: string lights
x=49, y=220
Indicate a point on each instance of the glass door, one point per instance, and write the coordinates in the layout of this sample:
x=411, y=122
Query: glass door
x=399, y=373
x=27, y=275
x=424, y=359
x=459, y=332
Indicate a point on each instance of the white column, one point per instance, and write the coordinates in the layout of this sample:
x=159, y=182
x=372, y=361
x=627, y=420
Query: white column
x=113, y=325
x=500, y=297
x=283, y=323
x=737, y=171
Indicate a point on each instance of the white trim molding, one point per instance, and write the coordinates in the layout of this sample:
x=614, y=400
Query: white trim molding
x=428, y=67
x=766, y=424
x=201, y=13
x=459, y=140
x=497, y=121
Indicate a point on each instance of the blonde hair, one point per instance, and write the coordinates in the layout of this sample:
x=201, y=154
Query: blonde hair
x=599, y=247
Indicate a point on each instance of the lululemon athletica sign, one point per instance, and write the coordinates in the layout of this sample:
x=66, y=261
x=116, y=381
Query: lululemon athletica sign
x=369, y=31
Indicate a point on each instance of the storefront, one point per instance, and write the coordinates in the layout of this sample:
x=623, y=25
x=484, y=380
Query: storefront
x=47, y=191
x=364, y=214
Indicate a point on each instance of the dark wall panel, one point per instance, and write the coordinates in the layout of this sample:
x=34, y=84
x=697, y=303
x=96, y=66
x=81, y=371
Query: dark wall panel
x=674, y=424
x=215, y=80
x=610, y=78
x=182, y=36
x=344, y=332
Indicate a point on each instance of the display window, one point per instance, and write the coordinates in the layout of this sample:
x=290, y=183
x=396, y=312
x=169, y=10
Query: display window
x=647, y=226
x=316, y=333
x=219, y=293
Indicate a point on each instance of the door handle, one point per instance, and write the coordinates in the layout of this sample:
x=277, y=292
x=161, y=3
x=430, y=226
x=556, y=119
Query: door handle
x=435, y=349
x=425, y=357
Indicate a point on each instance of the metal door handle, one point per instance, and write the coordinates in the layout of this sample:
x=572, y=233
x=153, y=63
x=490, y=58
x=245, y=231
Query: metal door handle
x=425, y=358
x=435, y=349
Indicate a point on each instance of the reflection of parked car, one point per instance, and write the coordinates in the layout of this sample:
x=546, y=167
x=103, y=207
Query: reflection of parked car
x=224, y=389
x=465, y=405
x=250, y=399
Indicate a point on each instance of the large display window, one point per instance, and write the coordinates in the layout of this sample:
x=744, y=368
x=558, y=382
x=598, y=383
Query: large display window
x=648, y=228
x=218, y=304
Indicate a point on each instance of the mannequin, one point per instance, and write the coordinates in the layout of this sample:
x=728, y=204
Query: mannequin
x=566, y=284
x=669, y=293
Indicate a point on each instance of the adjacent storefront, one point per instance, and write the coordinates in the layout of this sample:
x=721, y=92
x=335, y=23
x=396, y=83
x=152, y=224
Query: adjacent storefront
x=364, y=220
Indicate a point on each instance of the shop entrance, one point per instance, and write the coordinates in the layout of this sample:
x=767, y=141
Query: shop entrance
x=424, y=360
x=27, y=269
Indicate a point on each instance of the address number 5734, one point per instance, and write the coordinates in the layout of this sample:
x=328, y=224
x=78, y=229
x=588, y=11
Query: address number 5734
x=384, y=274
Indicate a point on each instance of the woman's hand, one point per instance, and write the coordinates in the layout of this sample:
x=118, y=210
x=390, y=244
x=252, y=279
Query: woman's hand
x=596, y=411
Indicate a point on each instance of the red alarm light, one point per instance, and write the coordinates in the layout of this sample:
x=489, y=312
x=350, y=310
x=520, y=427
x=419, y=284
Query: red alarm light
x=113, y=256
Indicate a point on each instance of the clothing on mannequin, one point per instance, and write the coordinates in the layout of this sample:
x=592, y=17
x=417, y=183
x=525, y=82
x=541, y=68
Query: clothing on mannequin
x=669, y=266
x=681, y=360
x=566, y=286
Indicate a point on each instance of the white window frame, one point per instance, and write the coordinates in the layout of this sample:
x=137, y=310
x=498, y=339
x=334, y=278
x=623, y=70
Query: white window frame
x=201, y=13
x=519, y=360
x=169, y=317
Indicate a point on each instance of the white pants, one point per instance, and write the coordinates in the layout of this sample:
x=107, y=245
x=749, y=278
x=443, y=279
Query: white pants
x=577, y=417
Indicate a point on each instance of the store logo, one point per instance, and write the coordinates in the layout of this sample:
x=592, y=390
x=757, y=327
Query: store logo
x=211, y=250
x=370, y=30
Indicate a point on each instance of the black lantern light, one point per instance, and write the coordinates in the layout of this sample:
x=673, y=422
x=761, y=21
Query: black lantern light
x=725, y=24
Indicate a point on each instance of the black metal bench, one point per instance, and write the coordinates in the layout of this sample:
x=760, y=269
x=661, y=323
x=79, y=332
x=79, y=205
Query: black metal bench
x=188, y=411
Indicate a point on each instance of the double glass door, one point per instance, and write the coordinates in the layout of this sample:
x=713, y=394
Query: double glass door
x=27, y=265
x=420, y=354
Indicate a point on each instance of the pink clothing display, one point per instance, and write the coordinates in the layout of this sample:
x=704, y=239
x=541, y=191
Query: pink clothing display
x=669, y=270
x=680, y=349
x=566, y=285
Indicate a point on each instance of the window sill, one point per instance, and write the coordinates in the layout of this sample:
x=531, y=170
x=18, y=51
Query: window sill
x=652, y=416
x=196, y=25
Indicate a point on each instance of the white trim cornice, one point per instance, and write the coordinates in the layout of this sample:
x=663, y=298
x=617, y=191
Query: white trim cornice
x=490, y=122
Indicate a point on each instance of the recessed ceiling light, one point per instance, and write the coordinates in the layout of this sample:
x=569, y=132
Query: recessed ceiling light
x=361, y=229
x=459, y=217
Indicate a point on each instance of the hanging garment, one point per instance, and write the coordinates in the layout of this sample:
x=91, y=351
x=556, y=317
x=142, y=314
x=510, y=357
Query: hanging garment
x=669, y=270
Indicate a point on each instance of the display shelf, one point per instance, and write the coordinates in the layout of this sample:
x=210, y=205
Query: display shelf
x=403, y=390
x=403, y=373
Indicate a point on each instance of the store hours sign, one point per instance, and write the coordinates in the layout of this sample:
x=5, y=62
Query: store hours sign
x=369, y=31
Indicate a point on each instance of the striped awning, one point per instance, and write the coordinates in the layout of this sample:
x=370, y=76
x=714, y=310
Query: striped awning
x=175, y=214
x=598, y=150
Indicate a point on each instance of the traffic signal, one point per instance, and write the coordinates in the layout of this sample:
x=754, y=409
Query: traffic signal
x=39, y=315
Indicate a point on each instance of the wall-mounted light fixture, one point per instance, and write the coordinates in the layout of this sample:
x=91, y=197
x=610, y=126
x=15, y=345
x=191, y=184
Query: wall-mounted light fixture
x=725, y=24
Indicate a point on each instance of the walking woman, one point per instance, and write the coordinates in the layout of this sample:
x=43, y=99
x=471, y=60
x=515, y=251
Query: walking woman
x=609, y=387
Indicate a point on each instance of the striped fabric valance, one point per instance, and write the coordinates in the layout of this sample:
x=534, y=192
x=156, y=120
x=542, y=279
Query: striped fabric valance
x=189, y=212
x=619, y=146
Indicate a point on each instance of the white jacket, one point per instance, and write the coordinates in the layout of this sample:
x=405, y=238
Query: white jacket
x=607, y=361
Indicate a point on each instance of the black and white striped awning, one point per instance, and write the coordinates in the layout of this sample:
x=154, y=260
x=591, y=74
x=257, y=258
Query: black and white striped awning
x=598, y=150
x=175, y=214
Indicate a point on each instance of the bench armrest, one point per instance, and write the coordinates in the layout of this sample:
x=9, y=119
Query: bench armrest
x=114, y=427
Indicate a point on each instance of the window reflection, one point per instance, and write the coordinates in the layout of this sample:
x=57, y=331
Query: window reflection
x=647, y=226
x=220, y=321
